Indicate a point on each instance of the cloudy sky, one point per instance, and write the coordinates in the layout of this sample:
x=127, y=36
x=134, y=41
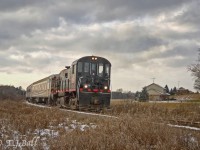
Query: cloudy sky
x=142, y=39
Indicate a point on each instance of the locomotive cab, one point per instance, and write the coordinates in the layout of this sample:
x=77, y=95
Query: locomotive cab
x=92, y=81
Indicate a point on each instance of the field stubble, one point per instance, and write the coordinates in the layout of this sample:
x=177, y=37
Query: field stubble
x=138, y=126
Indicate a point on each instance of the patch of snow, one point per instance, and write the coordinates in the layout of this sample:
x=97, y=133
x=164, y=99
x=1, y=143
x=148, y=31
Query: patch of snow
x=67, y=129
x=93, y=126
x=45, y=146
x=83, y=127
x=42, y=135
x=74, y=122
x=186, y=127
x=70, y=125
x=42, y=106
x=73, y=126
x=61, y=125
x=164, y=101
x=46, y=132
x=193, y=139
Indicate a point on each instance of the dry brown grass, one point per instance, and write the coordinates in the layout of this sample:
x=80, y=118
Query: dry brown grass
x=193, y=96
x=139, y=126
x=160, y=111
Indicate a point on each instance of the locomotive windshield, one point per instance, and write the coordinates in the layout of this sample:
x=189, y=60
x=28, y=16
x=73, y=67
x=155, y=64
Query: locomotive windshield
x=100, y=69
x=93, y=69
x=86, y=67
x=107, y=70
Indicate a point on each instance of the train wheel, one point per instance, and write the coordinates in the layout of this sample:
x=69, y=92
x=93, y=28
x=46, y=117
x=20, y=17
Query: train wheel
x=73, y=103
x=58, y=103
x=61, y=102
x=52, y=100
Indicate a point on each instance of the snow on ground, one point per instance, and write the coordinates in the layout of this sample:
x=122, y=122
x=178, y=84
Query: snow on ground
x=16, y=140
x=53, y=131
x=165, y=101
x=42, y=106
x=186, y=127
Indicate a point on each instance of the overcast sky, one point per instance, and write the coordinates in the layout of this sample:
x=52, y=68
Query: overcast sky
x=142, y=39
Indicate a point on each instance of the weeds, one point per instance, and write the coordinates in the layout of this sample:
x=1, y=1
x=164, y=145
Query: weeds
x=139, y=126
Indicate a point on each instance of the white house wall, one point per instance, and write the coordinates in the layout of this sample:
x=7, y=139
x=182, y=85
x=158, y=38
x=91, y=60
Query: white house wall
x=154, y=89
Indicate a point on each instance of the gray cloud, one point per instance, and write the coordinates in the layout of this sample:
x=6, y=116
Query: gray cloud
x=190, y=16
x=130, y=9
x=138, y=37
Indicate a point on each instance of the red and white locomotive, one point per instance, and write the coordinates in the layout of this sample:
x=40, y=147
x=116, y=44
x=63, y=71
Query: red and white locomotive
x=84, y=84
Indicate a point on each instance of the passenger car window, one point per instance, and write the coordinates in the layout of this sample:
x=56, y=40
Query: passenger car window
x=100, y=69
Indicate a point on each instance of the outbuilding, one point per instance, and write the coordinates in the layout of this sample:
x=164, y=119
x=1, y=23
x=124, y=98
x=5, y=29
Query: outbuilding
x=157, y=92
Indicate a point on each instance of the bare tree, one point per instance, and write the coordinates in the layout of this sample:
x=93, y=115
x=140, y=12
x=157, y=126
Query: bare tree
x=197, y=84
x=119, y=90
x=195, y=72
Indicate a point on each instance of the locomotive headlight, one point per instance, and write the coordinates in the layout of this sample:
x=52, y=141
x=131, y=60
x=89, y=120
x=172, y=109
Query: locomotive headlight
x=85, y=86
x=105, y=87
x=94, y=58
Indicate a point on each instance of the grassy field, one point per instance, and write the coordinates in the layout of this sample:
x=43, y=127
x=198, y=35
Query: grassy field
x=188, y=111
x=138, y=126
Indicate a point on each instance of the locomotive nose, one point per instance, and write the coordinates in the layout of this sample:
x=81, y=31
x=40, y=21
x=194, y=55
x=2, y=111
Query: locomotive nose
x=95, y=100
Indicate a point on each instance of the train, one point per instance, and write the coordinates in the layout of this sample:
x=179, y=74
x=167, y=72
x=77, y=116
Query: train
x=86, y=84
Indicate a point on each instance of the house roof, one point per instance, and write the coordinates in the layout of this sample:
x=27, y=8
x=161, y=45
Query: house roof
x=181, y=88
x=154, y=84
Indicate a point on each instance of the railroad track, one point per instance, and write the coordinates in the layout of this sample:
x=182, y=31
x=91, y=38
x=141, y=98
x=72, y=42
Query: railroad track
x=75, y=111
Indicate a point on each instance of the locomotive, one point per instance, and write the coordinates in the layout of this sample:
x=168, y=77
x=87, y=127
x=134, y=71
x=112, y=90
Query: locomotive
x=84, y=84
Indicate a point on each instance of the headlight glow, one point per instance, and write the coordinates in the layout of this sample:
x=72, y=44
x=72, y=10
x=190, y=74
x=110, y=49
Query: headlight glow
x=105, y=87
x=85, y=86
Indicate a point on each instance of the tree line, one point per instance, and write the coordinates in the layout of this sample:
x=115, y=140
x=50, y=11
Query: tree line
x=9, y=92
x=171, y=91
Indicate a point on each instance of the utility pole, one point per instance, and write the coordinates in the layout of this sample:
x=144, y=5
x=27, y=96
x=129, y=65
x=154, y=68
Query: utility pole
x=153, y=79
x=178, y=84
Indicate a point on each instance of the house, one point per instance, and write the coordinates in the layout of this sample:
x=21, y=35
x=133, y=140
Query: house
x=156, y=92
x=182, y=91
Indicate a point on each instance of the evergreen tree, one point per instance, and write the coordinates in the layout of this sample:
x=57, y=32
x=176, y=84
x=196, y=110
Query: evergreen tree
x=167, y=89
x=174, y=90
x=137, y=95
x=144, y=96
x=171, y=92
